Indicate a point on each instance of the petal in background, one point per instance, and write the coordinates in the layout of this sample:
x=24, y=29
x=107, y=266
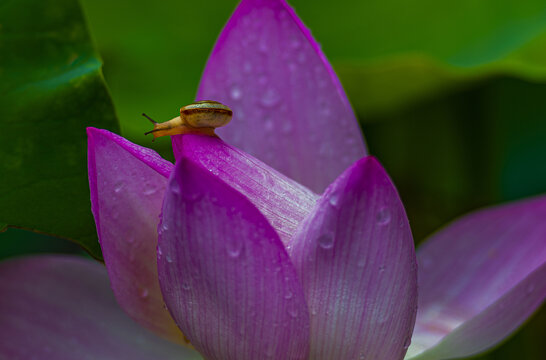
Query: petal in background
x=356, y=261
x=290, y=110
x=225, y=275
x=127, y=185
x=282, y=201
x=479, y=279
x=62, y=308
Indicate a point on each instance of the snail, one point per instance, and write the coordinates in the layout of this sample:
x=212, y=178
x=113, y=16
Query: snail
x=201, y=117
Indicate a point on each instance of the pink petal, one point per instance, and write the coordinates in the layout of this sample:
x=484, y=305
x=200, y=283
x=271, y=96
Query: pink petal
x=127, y=184
x=290, y=109
x=61, y=307
x=225, y=275
x=479, y=279
x=356, y=261
x=282, y=201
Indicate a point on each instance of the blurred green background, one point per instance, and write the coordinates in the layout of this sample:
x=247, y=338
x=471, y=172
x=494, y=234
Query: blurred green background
x=451, y=96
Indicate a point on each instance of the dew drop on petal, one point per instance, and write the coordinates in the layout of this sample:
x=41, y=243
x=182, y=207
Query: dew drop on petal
x=247, y=67
x=149, y=190
x=235, y=92
x=262, y=80
x=326, y=241
x=293, y=312
x=269, y=125
x=193, y=196
x=334, y=199
x=143, y=293
x=383, y=216
x=362, y=263
x=301, y=57
x=175, y=188
x=286, y=127
x=119, y=186
x=270, y=98
x=234, y=247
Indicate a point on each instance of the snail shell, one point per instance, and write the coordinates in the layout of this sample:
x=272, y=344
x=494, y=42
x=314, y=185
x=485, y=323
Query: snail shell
x=201, y=117
x=206, y=113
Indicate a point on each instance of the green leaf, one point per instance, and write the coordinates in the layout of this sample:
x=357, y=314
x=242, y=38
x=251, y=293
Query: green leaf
x=51, y=90
x=391, y=54
x=154, y=53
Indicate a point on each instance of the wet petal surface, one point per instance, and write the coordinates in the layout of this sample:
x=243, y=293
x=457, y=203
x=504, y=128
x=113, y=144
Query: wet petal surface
x=127, y=185
x=290, y=110
x=479, y=279
x=225, y=275
x=62, y=307
x=355, y=257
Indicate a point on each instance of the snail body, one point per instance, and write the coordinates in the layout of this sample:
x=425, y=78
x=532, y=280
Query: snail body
x=201, y=117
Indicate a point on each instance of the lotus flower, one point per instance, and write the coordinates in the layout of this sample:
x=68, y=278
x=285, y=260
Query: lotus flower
x=245, y=262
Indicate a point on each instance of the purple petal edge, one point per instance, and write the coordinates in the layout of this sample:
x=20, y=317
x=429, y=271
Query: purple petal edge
x=284, y=202
x=61, y=307
x=290, y=110
x=355, y=257
x=225, y=275
x=472, y=276
x=127, y=184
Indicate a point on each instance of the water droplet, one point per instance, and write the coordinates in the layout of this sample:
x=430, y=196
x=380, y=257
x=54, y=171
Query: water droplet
x=407, y=342
x=286, y=127
x=269, y=125
x=288, y=294
x=169, y=258
x=119, y=186
x=149, y=190
x=235, y=92
x=175, y=187
x=334, y=199
x=186, y=285
x=292, y=67
x=530, y=288
x=383, y=216
x=293, y=312
x=159, y=252
x=143, y=293
x=234, y=247
x=295, y=43
x=361, y=263
x=382, y=268
x=263, y=46
x=192, y=196
x=262, y=80
x=247, y=67
x=326, y=241
x=270, y=98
